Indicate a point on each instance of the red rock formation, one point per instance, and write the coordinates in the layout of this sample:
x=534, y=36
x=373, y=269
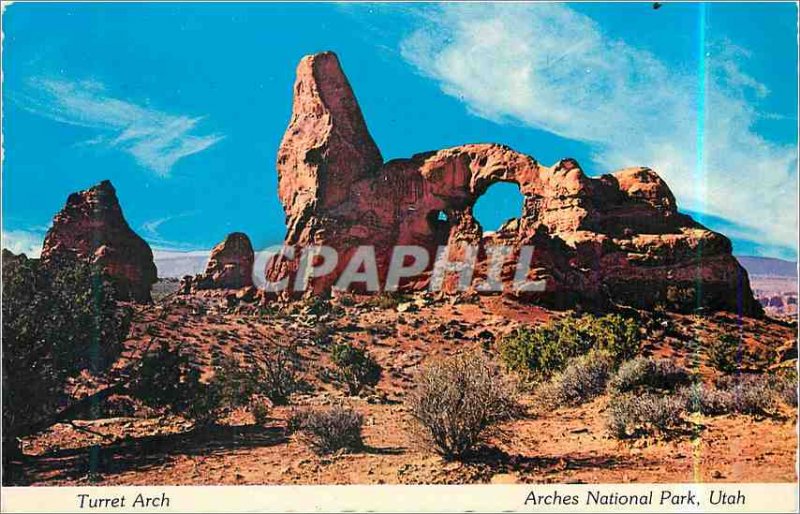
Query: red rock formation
x=230, y=265
x=613, y=239
x=91, y=227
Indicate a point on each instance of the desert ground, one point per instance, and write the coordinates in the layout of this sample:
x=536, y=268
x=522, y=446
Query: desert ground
x=127, y=444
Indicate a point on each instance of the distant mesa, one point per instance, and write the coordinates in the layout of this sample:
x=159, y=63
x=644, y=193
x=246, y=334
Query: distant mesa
x=613, y=240
x=230, y=266
x=769, y=267
x=92, y=228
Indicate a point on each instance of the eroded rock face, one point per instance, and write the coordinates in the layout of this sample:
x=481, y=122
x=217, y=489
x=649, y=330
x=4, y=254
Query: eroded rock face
x=230, y=265
x=615, y=239
x=91, y=227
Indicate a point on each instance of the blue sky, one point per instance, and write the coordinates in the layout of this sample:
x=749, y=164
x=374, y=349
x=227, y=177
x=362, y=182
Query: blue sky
x=183, y=106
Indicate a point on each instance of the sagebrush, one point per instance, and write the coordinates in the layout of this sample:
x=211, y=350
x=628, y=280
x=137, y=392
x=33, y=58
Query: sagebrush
x=582, y=380
x=325, y=431
x=643, y=373
x=635, y=415
x=457, y=402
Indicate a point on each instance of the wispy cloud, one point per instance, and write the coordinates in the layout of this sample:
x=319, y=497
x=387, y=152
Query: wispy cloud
x=155, y=139
x=151, y=231
x=550, y=67
x=151, y=228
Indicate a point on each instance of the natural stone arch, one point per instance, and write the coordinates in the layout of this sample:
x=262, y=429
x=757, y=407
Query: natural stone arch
x=614, y=239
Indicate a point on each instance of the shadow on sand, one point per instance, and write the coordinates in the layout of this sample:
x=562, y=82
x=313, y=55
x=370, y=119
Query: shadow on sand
x=493, y=461
x=140, y=453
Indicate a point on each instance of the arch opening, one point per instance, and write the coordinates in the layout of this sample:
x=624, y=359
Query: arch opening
x=501, y=202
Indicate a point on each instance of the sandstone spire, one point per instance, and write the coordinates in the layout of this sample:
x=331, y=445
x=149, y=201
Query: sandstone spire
x=327, y=146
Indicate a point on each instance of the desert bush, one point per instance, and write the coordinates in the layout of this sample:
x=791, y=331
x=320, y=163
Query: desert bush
x=635, y=415
x=457, y=403
x=541, y=351
x=260, y=409
x=280, y=368
x=750, y=394
x=649, y=374
x=355, y=367
x=678, y=298
x=582, y=380
x=59, y=318
x=784, y=383
x=746, y=394
x=315, y=304
x=329, y=430
x=167, y=380
x=385, y=300
x=617, y=336
x=320, y=334
x=706, y=399
x=722, y=352
x=346, y=299
x=232, y=385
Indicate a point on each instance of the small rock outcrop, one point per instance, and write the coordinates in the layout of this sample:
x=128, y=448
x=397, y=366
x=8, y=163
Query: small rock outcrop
x=614, y=239
x=230, y=265
x=91, y=227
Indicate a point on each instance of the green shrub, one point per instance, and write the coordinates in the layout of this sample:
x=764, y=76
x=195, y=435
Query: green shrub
x=346, y=299
x=167, y=380
x=384, y=301
x=544, y=350
x=328, y=431
x=260, y=410
x=617, y=336
x=457, y=403
x=355, y=367
x=316, y=305
x=722, y=353
x=648, y=374
x=582, y=380
x=541, y=351
x=279, y=367
x=59, y=319
x=636, y=415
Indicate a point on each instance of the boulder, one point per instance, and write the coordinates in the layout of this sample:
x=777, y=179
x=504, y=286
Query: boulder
x=230, y=265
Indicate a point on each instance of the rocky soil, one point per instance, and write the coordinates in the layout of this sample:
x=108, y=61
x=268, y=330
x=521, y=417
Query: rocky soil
x=130, y=445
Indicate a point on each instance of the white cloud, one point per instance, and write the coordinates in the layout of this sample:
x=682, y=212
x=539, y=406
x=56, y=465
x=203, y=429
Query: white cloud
x=23, y=241
x=549, y=67
x=151, y=229
x=155, y=139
